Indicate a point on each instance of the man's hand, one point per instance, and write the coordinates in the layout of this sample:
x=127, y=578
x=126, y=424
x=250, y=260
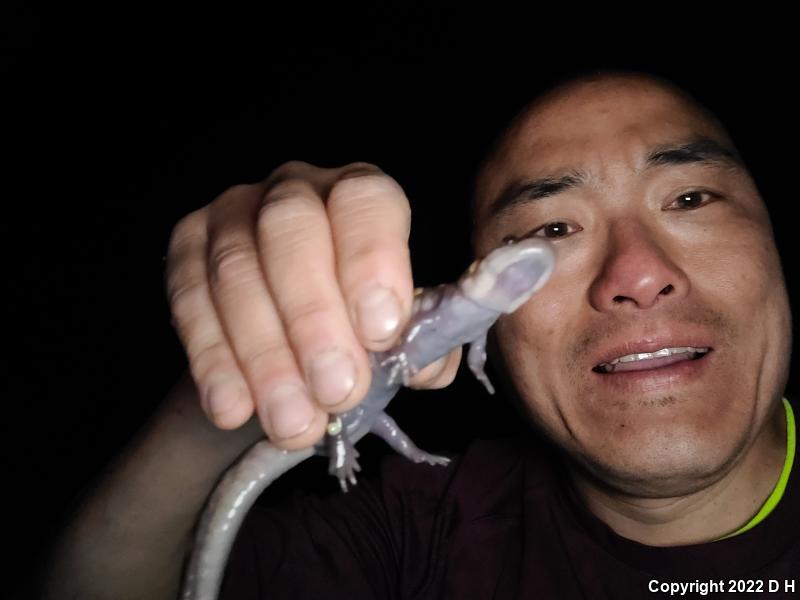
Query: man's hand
x=277, y=290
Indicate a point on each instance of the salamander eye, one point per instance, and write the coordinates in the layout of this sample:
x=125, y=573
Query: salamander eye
x=556, y=229
x=692, y=199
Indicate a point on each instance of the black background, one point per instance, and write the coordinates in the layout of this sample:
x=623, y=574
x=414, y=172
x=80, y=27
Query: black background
x=116, y=126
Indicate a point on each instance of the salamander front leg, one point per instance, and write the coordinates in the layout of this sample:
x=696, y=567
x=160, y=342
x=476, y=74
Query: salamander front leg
x=476, y=359
x=385, y=427
x=342, y=453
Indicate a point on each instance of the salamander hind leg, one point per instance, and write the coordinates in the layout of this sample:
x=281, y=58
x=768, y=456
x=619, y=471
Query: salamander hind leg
x=343, y=454
x=385, y=427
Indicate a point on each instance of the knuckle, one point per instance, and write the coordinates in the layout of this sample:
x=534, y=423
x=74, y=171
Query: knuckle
x=289, y=201
x=286, y=233
x=232, y=263
x=290, y=167
x=239, y=189
x=266, y=358
x=269, y=368
x=190, y=227
x=372, y=251
x=313, y=315
x=185, y=298
x=366, y=186
x=358, y=169
x=236, y=195
x=267, y=376
x=187, y=243
x=211, y=359
x=191, y=221
x=288, y=189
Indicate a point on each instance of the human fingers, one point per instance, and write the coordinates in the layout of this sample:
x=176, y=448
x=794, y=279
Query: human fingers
x=253, y=326
x=297, y=255
x=211, y=362
x=345, y=230
x=370, y=219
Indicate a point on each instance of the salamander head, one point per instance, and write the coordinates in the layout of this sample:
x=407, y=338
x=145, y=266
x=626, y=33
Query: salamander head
x=509, y=274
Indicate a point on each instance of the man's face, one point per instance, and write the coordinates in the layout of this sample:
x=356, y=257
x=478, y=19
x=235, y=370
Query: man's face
x=671, y=253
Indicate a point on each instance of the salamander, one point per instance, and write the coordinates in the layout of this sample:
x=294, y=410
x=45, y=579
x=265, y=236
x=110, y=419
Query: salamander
x=442, y=318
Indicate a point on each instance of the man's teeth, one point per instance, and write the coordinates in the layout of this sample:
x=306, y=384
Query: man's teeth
x=658, y=354
x=695, y=352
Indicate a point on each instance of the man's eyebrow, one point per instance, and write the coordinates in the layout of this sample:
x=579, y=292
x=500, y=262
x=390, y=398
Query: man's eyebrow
x=525, y=192
x=698, y=150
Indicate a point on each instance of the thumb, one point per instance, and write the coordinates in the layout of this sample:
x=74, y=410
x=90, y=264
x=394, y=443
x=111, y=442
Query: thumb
x=439, y=373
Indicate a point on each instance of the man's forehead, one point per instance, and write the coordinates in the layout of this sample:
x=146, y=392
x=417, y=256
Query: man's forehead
x=583, y=120
x=602, y=112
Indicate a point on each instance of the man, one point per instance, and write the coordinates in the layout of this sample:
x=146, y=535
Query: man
x=655, y=359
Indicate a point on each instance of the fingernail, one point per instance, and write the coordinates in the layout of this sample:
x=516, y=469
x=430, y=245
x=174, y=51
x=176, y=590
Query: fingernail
x=288, y=410
x=221, y=398
x=378, y=314
x=333, y=376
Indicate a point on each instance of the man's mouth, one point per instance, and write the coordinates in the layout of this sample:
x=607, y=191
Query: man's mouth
x=640, y=361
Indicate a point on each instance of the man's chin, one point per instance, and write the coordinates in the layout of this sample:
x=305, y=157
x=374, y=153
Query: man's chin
x=661, y=464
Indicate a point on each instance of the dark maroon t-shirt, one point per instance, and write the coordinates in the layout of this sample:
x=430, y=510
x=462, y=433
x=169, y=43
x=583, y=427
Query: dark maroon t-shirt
x=499, y=522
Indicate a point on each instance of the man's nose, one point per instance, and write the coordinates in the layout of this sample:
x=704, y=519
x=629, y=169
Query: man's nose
x=637, y=272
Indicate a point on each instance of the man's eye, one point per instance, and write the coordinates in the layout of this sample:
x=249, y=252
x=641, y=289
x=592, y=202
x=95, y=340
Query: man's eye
x=692, y=199
x=556, y=229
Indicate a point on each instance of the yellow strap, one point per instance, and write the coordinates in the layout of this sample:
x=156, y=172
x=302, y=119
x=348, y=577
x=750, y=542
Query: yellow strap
x=780, y=487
